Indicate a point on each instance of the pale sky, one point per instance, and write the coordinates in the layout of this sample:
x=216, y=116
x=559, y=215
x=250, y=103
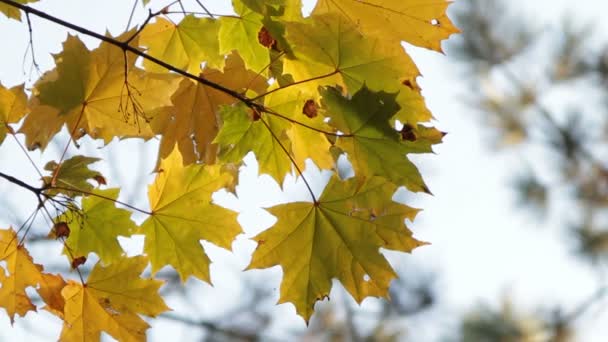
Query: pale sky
x=483, y=246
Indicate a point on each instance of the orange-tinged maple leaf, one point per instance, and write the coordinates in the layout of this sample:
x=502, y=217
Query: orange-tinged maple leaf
x=419, y=22
x=110, y=301
x=338, y=237
x=24, y=273
x=50, y=292
x=192, y=121
x=183, y=214
x=88, y=92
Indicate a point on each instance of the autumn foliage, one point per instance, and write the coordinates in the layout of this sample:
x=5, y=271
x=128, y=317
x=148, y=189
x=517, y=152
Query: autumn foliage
x=212, y=89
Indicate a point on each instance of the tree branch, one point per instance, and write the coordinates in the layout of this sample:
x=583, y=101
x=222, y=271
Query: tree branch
x=36, y=191
x=126, y=47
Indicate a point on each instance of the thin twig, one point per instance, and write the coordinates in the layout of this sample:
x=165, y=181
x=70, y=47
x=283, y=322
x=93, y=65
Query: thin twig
x=89, y=193
x=125, y=46
x=135, y=2
x=204, y=8
x=30, y=46
x=27, y=154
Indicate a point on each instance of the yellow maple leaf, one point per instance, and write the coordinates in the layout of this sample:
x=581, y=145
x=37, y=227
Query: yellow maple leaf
x=24, y=273
x=419, y=22
x=88, y=92
x=337, y=237
x=13, y=12
x=306, y=136
x=184, y=45
x=13, y=106
x=182, y=215
x=110, y=301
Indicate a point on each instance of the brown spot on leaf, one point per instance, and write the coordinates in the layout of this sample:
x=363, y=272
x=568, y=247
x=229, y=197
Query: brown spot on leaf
x=255, y=114
x=310, y=109
x=61, y=229
x=100, y=179
x=411, y=84
x=78, y=261
x=266, y=39
x=407, y=133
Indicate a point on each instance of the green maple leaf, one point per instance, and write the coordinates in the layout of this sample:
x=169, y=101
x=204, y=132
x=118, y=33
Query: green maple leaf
x=329, y=50
x=337, y=237
x=96, y=226
x=241, y=133
x=182, y=215
x=241, y=34
x=372, y=145
x=73, y=174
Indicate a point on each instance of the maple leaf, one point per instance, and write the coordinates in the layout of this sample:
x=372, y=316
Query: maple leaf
x=329, y=50
x=184, y=45
x=191, y=122
x=306, y=135
x=96, y=226
x=182, y=215
x=50, y=292
x=337, y=237
x=73, y=173
x=372, y=145
x=241, y=33
x=419, y=22
x=110, y=301
x=244, y=130
x=23, y=273
x=87, y=91
x=12, y=12
x=13, y=106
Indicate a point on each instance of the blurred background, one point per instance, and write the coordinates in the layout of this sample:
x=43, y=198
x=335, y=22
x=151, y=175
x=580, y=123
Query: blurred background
x=518, y=223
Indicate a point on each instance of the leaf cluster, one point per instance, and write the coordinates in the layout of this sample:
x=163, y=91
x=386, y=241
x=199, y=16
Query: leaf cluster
x=211, y=89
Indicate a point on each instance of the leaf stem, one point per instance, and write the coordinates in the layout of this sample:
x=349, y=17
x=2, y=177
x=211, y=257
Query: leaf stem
x=277, y=114
x=292, y=84
x=89, y=193
x=274, y=136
